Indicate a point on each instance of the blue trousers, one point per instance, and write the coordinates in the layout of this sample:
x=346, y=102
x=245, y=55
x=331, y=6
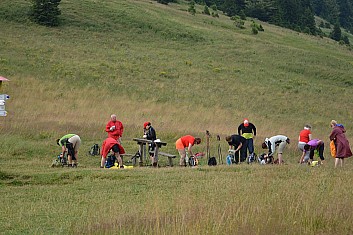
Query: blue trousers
x=249, y=145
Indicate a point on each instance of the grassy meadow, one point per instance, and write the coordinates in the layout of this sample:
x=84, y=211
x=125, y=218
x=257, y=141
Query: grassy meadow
x=186, y=74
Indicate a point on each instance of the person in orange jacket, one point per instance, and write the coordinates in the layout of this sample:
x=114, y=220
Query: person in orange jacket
x=183, y=143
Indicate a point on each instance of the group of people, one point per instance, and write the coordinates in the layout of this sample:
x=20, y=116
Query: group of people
x=339, y=145
x=242, y=143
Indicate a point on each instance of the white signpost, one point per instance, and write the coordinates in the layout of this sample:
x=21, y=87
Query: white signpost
x=3, y=98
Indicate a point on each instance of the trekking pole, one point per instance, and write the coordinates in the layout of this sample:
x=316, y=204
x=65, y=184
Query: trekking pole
x=220, y=157
x=208, y=144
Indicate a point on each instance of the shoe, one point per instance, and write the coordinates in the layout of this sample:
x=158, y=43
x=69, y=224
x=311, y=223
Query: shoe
x=121, y=167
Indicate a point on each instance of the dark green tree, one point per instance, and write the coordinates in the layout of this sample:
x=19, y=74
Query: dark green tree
x=336, y=33
x=45, y=12
x=346, y=14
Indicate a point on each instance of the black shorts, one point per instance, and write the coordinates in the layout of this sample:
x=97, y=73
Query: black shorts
x=151, y=148
x=115, y=148
x=70, y=150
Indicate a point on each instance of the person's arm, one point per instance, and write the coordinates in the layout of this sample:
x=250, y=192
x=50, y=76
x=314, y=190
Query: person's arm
x=239, y=130
x=239, y=147
x=190, y=150
x=153, y=134
x=108, y=127
x=63, y=149
x=333, y=135
x=271, y=148
x=310, y=137
x=254, y=130
x=121, y=129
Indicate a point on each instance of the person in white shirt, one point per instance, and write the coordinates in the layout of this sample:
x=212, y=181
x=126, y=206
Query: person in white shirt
x=277, y=141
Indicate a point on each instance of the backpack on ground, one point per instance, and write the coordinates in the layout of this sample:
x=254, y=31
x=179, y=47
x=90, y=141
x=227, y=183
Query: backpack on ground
x=229, y=159
x=193, y=161
x=212, y=161
x=95, y=150
x=110, y=162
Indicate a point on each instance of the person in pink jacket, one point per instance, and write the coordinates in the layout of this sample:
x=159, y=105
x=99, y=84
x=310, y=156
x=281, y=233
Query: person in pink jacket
x=115, y=128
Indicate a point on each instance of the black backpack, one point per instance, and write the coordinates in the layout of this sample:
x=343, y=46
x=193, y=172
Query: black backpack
x=95, y=150
x=212, y=161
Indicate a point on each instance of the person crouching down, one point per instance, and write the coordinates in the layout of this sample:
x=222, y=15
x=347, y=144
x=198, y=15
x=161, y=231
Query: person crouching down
x=111, y=144
x=313, y=145
x=183, y=143
x=70, y=143
x=279, y=141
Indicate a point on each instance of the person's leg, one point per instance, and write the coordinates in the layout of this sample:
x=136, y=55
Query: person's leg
x=116, y=151
x=70, y=153
x=281, y=147
x=279, y=158
x=76, y=143
x=337, y=161
x=251, y=146
x=69, y=159
x=321, y=151
x=75, y=161
x=119, y=159
x=237, y=158
x=243, y=151
x=151, y=150
x=182, y=154
x=103, y=162
x=342, y=161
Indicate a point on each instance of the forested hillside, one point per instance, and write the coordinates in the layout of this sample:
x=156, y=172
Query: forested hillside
x=297, y=15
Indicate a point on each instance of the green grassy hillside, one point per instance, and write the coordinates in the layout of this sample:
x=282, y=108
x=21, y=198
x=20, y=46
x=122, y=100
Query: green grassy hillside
x=186, y=74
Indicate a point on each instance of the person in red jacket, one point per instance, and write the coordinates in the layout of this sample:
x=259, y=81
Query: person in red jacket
x=183, y=143
x=115, y=128
x=111, y=144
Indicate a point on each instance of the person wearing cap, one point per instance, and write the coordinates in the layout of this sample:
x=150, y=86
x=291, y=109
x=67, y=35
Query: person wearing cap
x=248, y=131
x=237, y=143
x=184, y=144
x=277, y=141
x=304, y=137
x=114, y=128
x=150, y=134
x=70, y=143
x=112, y=145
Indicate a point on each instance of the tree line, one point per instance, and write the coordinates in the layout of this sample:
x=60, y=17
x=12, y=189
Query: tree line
x=297, y=15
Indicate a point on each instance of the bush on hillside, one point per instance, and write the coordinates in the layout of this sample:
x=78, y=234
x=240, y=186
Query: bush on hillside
x=206, y=11
x=45, y=12
x=255, y=28
x=192, y=8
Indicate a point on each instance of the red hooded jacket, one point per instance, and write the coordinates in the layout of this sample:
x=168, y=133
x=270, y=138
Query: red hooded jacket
x=107, y=145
